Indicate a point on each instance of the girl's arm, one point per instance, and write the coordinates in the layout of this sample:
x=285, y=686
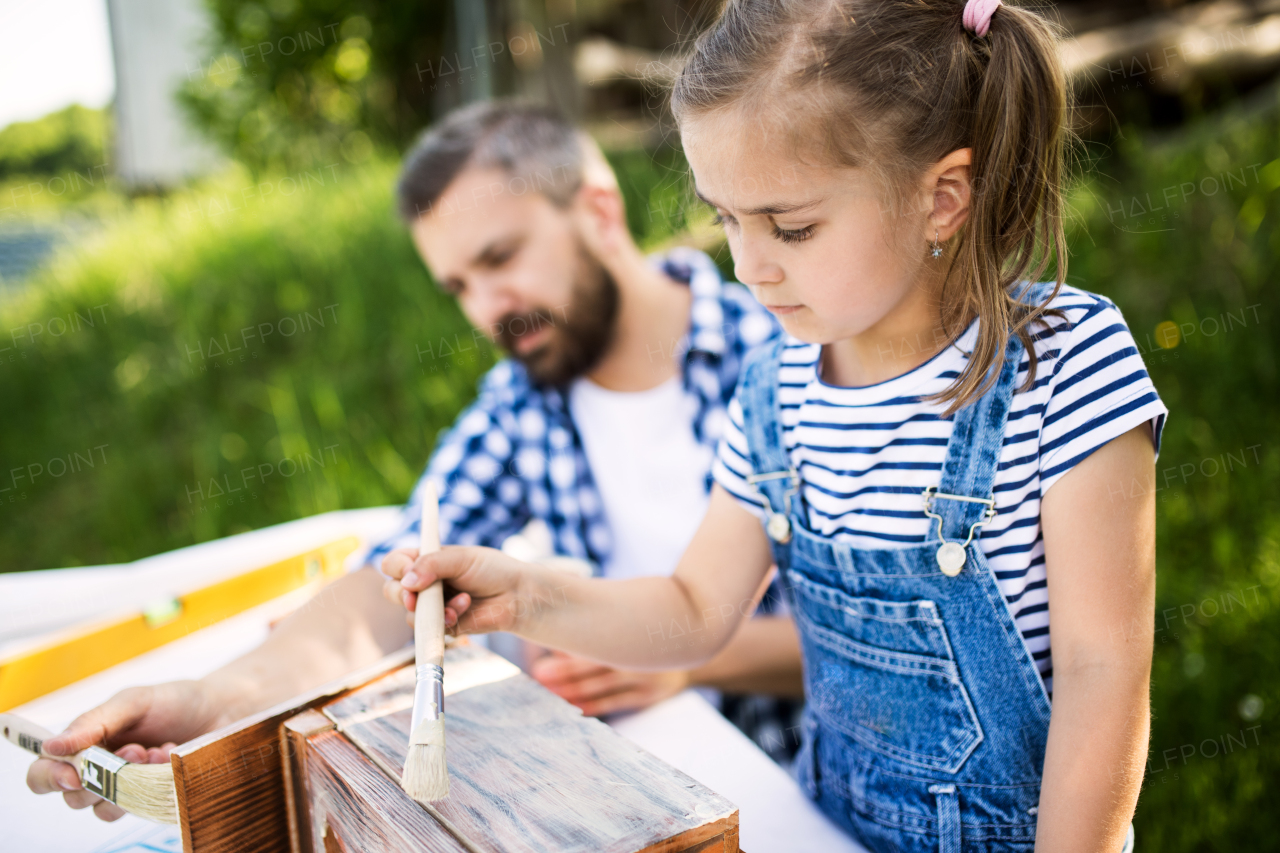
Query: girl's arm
x=1099, y=536
x=641, y=623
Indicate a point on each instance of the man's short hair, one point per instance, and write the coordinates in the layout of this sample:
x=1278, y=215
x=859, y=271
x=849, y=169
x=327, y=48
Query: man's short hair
x=538, y=149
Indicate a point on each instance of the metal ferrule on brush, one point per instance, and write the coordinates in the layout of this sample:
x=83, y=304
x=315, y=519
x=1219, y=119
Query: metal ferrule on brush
x=428, y=694
x=98, y=769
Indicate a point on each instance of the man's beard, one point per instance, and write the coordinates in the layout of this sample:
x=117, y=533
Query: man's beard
x=581, y=331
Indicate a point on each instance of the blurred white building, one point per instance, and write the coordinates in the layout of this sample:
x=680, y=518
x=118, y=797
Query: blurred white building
x=156, y=44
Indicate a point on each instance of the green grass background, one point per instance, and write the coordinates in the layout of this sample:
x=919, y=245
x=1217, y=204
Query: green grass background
x=171, y=281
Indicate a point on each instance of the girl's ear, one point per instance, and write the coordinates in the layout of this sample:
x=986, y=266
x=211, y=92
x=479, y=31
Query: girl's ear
x=947, y=183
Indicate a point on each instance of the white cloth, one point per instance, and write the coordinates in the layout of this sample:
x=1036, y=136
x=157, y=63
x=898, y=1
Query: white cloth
x=649, y=469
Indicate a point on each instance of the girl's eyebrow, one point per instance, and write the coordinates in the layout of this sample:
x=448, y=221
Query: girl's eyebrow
x=766, y=210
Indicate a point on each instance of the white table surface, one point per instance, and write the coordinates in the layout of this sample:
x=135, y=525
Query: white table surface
x=774, y=815
x=684, y=731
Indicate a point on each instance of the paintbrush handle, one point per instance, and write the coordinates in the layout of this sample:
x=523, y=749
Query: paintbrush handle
x=27, y=735
x=428, y=626
x=428, y=622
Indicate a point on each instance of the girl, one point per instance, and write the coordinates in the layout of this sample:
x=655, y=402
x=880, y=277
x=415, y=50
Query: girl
x=942, y=459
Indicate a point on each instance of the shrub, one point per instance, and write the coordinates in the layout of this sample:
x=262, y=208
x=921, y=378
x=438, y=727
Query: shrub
x=239, y=355
x=1182, y=233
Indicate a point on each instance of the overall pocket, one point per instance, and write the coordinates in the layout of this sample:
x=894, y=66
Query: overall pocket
x=883, y=673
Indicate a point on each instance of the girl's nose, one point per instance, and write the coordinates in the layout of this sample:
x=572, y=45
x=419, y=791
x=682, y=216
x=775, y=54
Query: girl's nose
x=752, y=264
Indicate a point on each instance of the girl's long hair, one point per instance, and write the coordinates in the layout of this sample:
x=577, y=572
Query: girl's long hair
x=894, y=86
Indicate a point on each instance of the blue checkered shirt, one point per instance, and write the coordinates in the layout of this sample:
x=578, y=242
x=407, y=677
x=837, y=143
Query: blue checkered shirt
x=514, y=455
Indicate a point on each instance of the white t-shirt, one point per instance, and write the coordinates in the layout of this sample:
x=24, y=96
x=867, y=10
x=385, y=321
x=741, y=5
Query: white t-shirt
x=649, y=469
x=866, y=454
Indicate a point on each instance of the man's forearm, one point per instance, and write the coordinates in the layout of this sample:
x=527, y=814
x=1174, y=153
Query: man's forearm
x=762, y=657
x=347, y=625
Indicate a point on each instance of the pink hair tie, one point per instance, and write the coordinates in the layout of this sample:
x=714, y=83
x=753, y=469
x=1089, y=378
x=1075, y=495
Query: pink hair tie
x=977, y=15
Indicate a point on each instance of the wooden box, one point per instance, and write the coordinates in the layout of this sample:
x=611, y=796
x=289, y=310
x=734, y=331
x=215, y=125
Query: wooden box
x=527, y=773
x=230, y=783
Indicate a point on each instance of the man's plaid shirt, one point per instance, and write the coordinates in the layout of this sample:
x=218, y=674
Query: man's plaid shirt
x=514, y=455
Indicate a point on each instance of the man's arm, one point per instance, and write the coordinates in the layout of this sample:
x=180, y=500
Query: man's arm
x=347, y=625
x=1100, y=557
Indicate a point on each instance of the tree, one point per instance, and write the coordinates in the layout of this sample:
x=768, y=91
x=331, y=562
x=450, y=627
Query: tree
x=290, y=83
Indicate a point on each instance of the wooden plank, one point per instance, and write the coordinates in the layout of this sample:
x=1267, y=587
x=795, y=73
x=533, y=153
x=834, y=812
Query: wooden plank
x=293, y=739
x=715, y=844
x=529, y=774
x=230, y=782
x=466, y=665
x=355, y=807
x=83, y=651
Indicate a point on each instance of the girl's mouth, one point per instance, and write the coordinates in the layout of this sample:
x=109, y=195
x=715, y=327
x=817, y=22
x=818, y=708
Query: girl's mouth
x=782, y=309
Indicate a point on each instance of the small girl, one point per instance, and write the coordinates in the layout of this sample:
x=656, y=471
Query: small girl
x=939, y=456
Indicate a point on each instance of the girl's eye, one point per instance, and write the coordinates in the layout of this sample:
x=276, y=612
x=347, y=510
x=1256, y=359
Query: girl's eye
x=795, y=235
x=720, y=219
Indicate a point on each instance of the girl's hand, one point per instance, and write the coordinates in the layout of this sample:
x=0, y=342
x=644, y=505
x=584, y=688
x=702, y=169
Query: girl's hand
x=482, y=586
x=599, y=689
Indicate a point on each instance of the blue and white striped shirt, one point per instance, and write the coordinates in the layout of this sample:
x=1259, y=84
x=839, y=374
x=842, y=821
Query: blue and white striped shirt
x=865, y=454
x=514, y=454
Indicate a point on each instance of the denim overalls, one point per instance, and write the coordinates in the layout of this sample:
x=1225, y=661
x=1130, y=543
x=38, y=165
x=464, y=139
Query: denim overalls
x=926, y=718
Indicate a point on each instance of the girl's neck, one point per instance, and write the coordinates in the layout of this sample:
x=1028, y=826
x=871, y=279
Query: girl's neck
x=905, y=338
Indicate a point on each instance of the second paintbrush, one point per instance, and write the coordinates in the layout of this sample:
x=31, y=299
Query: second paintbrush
x=142, y=789
x=426, y=775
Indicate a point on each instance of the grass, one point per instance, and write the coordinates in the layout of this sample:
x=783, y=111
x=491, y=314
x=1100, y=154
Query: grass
x=1181, y=232
x=229, y=358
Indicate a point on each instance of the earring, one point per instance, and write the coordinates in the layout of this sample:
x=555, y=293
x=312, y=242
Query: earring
x=936, y=251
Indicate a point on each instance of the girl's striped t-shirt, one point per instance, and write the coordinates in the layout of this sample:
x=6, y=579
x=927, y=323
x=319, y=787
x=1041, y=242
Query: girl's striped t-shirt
x=866, y=454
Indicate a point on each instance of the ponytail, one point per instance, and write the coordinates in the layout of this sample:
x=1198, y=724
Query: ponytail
x=1015, y=224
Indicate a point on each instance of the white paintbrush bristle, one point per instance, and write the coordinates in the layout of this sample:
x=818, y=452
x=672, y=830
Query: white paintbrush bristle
x=426, y=775
x=147, y=791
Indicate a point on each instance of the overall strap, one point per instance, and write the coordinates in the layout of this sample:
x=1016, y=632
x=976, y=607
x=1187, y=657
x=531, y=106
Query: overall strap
x=973, y=453
x=762, y=424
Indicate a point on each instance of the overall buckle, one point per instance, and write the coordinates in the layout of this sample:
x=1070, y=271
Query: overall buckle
x=952, y=555
x=777, y=524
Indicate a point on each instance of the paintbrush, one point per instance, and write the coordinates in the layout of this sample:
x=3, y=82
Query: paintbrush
x=426, y=776
x=142, y=789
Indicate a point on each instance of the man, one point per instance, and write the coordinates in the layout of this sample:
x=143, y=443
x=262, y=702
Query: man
x=600, y=429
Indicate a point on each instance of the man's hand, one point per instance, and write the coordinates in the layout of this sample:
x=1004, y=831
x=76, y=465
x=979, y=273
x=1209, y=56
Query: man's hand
x=481, y=586
x=599, y=689
x=141, y=724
